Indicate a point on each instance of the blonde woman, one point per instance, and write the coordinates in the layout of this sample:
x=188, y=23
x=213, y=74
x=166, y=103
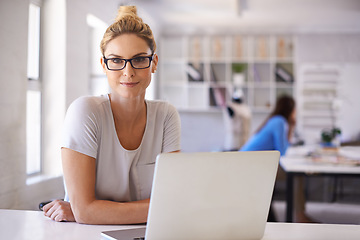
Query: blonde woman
x=111, y=142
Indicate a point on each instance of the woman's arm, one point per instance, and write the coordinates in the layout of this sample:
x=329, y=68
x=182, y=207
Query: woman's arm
x=59, y=211
x=80, y=175
x=292, y=124
x=280, y=134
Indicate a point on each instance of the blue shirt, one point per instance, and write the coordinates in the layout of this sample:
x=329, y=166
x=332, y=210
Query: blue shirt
x=272, y=136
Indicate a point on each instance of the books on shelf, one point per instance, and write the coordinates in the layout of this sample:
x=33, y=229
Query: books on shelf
x=217, y=96
x=282, y=75
x=256, y=74
x=217, y=93
x=194, y=73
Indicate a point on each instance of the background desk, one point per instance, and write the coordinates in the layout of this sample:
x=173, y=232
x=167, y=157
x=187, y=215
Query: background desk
x=24, y=225
x=296, y=163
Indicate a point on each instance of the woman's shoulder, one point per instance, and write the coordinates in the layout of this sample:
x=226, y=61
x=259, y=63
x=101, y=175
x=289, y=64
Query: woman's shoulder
x=89, y=101
x=88, y=104
x=160, y=105
x=277, y=119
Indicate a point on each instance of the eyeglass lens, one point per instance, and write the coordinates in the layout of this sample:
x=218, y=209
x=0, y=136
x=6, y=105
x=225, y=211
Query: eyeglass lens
x=138, y=63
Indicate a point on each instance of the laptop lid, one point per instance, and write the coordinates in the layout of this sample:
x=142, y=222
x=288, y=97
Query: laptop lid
x=217, y=195
x=124, y=234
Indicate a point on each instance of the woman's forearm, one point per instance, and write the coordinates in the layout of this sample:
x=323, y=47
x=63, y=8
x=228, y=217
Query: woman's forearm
x=108, y=212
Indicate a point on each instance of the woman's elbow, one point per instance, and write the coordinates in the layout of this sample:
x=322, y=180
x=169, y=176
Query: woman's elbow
x=82, y=215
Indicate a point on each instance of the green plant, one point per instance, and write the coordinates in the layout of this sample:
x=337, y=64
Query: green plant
x=239, y=67
x=328, y=135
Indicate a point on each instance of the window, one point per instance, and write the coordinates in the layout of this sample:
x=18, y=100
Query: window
x=33, y=109
x=98, y=82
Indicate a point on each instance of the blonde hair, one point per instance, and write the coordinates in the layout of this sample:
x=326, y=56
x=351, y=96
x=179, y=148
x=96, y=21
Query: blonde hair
x=127, y=21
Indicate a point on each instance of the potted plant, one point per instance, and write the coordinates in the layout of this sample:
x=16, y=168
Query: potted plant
x=330, y=137
x=239, y=70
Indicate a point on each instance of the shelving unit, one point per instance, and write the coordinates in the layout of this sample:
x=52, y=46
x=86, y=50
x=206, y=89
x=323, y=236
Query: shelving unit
x=197, y=71
x=318, y=98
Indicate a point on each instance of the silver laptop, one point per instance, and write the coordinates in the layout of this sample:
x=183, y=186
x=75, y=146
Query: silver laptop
x=217, y=195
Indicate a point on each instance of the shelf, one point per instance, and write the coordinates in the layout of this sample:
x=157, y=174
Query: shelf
x=261, y=48
x=175, y=95
x=284, y=91
x=218, y=45
x=198, y=97
x=172, y=47
x=196, y=49
x=262, y=72
x=240, y=45
x=259, y=85
x=284, y=48
x=218, y=72
x=284, y=85
x=200, y=110
x=317, y=94
x=207, y=68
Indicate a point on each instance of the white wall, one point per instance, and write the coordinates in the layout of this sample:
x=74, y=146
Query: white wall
x=13, y=57
x=14, y=192
x=343, y=50
x=53, y=75
x=349, y=115
x=65, y=76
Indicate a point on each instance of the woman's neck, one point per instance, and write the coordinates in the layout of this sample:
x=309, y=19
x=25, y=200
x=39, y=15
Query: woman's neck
x=127, y=110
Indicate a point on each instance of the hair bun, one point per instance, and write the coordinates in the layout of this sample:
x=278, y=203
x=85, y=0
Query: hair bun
x=124, y=11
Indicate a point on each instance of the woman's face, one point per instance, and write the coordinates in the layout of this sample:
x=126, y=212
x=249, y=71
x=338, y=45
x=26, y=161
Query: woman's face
x=129, y=82
x=292, y=118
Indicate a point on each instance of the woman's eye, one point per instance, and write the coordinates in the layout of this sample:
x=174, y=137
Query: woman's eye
x=117, y=60
x=139, y=59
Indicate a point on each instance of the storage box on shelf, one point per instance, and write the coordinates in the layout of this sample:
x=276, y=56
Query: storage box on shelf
x=201, y=73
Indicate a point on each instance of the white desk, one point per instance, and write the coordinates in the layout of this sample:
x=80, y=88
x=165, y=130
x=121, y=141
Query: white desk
x=297, y=163
x=24, y=225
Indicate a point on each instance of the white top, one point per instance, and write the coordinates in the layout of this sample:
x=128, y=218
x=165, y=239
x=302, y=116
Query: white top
x=29, y=225
x=121, y=175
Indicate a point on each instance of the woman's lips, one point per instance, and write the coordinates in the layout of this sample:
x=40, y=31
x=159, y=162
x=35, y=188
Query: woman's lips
x=129, y=84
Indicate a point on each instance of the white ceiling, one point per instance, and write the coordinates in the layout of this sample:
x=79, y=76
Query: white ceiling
x=298, y=15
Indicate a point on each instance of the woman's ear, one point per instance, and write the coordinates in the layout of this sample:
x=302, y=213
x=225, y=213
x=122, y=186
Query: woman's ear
x=102, y=62
x=154, y=63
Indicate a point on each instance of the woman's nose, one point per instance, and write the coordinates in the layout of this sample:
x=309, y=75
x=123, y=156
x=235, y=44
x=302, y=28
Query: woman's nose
x=128, y=70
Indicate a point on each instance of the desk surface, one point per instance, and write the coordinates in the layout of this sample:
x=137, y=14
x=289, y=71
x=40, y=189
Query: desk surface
x=23, y=225
x=296, y=161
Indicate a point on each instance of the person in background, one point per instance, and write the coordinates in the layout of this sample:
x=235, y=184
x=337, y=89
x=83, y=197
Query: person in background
x=275, y=134
x=110, y=142
x=237, y=117
x=276, y=131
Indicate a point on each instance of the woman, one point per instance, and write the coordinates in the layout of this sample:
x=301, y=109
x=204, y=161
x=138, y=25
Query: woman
x=111, y=142
x=276, y=132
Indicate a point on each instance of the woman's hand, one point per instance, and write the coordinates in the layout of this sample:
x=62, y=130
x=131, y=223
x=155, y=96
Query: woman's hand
x=59, y=211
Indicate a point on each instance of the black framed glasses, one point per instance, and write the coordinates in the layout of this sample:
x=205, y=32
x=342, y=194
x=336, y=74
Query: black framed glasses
x=115, y=64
